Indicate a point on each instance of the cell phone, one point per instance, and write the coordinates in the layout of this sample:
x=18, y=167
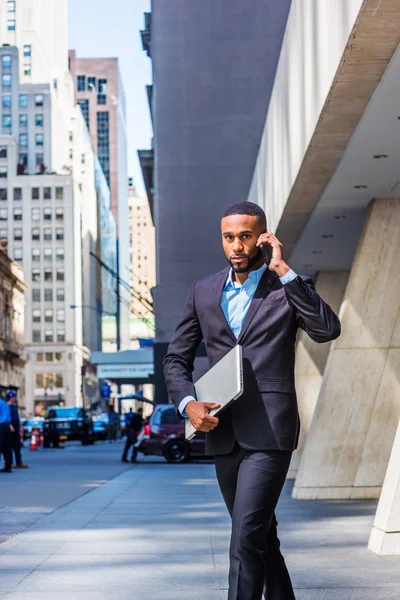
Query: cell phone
x=266, y=251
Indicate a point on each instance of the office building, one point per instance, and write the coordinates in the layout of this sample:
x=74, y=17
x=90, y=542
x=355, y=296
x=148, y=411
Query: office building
x=293, y=105
x=12, y=360
x=49, y=217
x=100, y=94
x=142, y=251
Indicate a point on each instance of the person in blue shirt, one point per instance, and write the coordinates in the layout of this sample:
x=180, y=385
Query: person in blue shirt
x=5, y=431
x=15, y=436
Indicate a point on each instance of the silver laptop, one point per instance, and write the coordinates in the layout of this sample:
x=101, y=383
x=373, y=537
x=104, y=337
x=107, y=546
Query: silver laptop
x=222, y=384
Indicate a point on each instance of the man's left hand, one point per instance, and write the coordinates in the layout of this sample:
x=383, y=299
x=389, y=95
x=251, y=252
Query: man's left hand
x=277, y=262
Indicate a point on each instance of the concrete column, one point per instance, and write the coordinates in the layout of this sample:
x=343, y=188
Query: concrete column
x=311, y=360
x=358, y=409
x=385, y=535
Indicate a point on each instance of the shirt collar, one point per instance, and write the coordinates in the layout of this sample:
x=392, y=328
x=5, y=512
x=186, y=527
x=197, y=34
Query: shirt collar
x=253, y=276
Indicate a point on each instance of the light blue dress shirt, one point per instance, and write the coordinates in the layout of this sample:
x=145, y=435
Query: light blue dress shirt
x=235, y=302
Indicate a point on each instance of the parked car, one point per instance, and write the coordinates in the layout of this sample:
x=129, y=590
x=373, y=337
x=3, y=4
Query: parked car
x=64, y=423
x=100, y=427
x=29, y=424
x=164, y=435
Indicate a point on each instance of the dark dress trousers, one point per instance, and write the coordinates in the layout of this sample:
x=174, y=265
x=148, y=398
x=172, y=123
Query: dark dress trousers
x=258, y=432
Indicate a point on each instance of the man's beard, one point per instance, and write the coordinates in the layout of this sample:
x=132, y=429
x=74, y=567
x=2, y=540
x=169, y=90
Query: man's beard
x=251, y=262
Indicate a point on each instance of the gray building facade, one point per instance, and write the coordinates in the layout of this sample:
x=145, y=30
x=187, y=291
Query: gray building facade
x=214, y=65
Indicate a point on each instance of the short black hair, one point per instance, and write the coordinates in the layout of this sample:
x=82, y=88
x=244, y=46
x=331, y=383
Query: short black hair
x=247, y=208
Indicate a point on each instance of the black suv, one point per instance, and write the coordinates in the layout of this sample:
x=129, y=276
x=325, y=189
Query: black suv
x=64, y=423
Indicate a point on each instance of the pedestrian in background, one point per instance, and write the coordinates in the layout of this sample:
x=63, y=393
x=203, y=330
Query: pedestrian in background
x=113, y=421
x=133, y=427
x=15, y=434
x=5, y=431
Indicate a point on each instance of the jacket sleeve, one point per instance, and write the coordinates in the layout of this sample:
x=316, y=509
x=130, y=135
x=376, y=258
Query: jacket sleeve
x=313, y=315
x=179, y=360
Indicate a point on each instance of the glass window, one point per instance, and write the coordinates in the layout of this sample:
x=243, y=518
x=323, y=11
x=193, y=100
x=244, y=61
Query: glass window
x=17, y=253
x=7, y=122
x=60, y=335
x=59, y=214
x=11, y=24
x=3, y=193
x=47, y=214
x=6, y=80
x=59, y=193
x=49, y=357
x=48, y=274
x=101, y=99
x=48, y=335
x=39, y=381
x=58, y=357
x=35, y=214
x=23, y=120
x=60, y=294
x=39, y=99
x=48, y=254
x=6, y=61
x=60, y=315
x=3, y=234
x=23, y=100
x=3, y=151
x=39, y=158
x=84, y=104
x=47, y=234
x=6, y=101
x=27, y=69
x=3, y=172
x=48, y=295
x=60, y=274
x=36, y=234
x=23, y=139
x=35, y=193
x=18, y=233
x=59, y=253
x=22, y=163
x=48, y=315
x=27, y=50
x=39, y=120
x=91, y=83
x=36, y=295
x=36, y=336
x=81, y=83
x=35, y=274
x=39, y=139
x=59, y=380
x=47, y=193
x=17, y=193
x=36, y=315
x=3, y=214
x=11, y=6
x=102, y=86
x=17, y=214
x=59, y=233
x=35, y=254
x=39, y=357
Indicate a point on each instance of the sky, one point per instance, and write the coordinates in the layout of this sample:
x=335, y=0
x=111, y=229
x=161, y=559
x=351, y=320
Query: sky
x=102, y=28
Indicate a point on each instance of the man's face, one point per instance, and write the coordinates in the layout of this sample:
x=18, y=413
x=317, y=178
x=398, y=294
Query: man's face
x=239, y=238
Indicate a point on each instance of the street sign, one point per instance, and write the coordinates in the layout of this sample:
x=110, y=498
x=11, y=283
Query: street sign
x=139, y=371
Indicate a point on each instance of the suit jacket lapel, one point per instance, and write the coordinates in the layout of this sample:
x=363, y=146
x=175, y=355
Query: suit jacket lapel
x=263, y=289
x=219, y=286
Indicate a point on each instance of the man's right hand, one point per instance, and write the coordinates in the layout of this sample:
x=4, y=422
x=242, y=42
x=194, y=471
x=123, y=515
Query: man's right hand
x=198, y=413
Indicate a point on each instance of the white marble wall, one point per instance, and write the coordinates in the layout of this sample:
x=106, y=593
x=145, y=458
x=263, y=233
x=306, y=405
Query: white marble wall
x=355, y=420
x=311, y=360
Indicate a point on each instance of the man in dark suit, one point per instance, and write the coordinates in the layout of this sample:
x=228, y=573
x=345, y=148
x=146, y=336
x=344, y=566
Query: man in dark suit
x=259, y=303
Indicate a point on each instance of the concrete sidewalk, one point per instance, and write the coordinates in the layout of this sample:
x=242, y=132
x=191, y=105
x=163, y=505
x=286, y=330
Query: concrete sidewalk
x=161, y=532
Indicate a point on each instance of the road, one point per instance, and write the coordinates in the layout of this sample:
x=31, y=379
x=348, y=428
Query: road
x=97, y=529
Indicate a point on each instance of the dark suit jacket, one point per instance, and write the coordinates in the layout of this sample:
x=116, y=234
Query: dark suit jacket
x=265, y=417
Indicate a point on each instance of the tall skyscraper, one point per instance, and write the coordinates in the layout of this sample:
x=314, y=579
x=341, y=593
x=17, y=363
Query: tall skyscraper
x=143, y=253
x=100, y=94
x=49, y=201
